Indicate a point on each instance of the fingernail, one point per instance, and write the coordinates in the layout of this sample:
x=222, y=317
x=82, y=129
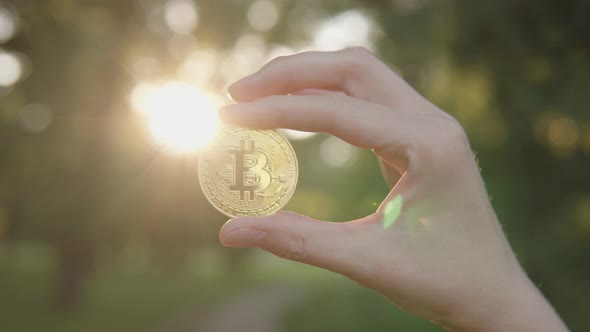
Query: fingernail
x=243, y=237
x=228, y=94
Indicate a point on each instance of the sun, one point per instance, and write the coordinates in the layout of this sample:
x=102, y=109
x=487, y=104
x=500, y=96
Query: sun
x=180, y=117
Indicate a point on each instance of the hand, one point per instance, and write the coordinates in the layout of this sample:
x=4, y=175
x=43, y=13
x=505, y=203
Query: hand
x=439, y=251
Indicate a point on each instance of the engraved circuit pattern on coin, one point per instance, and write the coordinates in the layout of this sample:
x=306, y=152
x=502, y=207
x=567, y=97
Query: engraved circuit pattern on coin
x=247, y=172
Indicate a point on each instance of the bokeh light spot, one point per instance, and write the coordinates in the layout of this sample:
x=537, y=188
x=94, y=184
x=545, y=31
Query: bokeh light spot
x=563, y=133
x=181, y=16
x=392, y=211
x=537, y=69
x=8, y=24
x=350, y=28
x=252, y=45
x=263, y=15
x=11, y=69
x=336, y=153
x=558, y=132
x=247, y=56
x=35, y=117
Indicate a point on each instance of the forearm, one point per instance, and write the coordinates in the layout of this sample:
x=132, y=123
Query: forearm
x=523, y=309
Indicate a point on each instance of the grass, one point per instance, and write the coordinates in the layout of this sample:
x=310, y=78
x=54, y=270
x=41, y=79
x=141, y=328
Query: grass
x=127, y=295
x=344, y=308
x=115, y=299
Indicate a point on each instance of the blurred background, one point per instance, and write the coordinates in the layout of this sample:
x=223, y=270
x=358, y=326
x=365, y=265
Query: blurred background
x=104, y=104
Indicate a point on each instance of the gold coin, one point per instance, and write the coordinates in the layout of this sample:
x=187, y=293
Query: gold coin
x=247, y=172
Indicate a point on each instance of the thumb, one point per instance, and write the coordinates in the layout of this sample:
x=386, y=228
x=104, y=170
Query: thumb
x=291, y=236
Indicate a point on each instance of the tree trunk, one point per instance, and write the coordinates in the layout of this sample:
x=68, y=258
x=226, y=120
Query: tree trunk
x=75, y=263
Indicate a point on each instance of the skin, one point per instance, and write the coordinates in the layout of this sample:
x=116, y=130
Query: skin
x=445, y=258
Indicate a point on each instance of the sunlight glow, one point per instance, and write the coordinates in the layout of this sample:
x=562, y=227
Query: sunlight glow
x=199, y=67
x=181, y=117
x=263, y=15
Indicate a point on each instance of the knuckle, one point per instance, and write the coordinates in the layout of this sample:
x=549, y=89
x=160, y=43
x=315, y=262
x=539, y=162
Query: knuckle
x=280, y=63
x=456, y=138
x=276, y=61
x=358, y=60
x=359, y=52
x=296, y=249
x=451, y=149
x=445, y=149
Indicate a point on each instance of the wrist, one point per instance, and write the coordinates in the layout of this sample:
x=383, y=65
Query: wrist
x=520, y=307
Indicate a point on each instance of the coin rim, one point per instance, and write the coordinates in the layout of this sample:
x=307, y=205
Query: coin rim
x=206, y=186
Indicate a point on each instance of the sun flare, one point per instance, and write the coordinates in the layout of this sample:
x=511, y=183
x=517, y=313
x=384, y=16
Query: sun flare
x=180, y=117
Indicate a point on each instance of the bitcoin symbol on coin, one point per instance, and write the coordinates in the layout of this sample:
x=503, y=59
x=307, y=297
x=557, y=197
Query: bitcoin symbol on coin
x=250, y=173
x=247, y=172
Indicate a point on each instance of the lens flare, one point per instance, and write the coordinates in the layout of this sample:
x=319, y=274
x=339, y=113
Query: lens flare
x=392, y=211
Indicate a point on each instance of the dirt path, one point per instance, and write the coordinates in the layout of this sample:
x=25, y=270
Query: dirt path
x=255, y=310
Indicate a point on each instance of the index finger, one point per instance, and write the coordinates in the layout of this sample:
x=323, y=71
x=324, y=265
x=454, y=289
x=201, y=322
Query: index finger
x=363, y=124
x=356, y=72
